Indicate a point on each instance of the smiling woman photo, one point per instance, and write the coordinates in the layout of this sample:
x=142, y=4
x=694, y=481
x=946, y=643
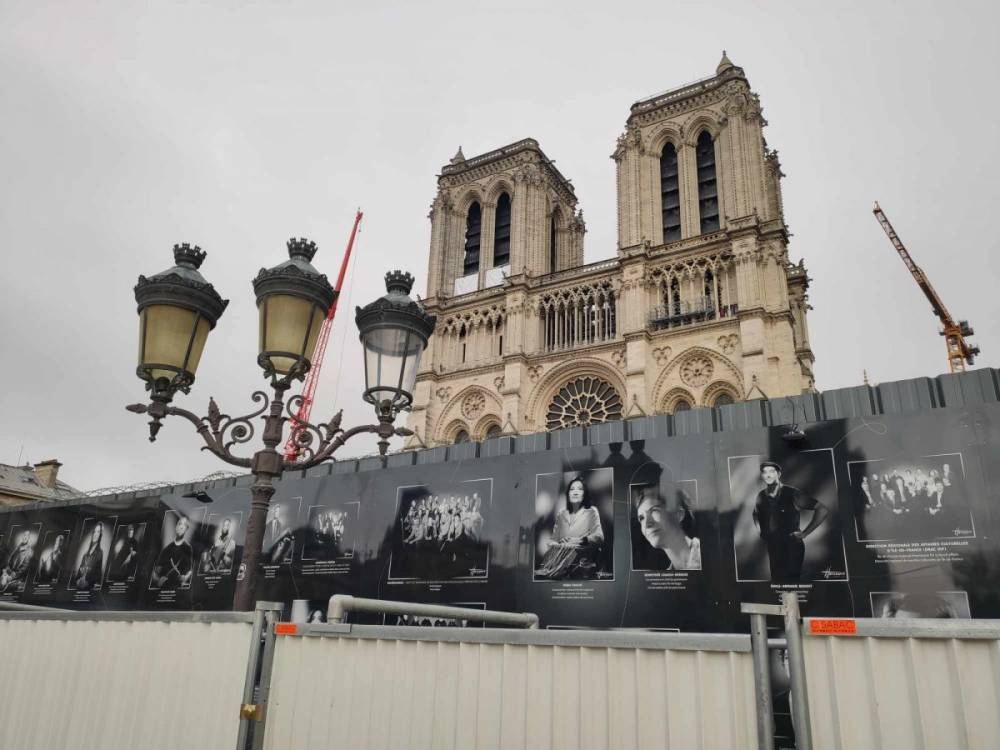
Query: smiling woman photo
x=576, y=539
x=664, y=530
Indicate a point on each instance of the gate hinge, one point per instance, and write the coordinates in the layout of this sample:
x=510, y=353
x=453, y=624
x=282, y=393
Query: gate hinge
x=251, y=711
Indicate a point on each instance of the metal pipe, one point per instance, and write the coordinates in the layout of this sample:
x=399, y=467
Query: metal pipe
x=797, y=671
x=341, y=604
x=762, y=681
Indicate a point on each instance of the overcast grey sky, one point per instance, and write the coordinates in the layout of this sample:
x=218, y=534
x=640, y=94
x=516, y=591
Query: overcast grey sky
x=128, y=127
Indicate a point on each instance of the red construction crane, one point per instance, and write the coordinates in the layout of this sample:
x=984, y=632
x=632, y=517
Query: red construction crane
x=312, y=377
x=960, y=351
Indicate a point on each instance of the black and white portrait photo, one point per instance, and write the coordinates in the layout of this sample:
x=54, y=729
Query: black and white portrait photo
x=218, y=558
x=92, y=553
x=438, y=533
x=574, y=525
x=308, y=611
x=936, y=605
x=174, y=564
x=911, y=498
x=55, y=550
x=785, y=530
x=279, y=532
x=125, y=552
x=331, y=531
x=663, y=528
x=428, y=621
x=19, y=556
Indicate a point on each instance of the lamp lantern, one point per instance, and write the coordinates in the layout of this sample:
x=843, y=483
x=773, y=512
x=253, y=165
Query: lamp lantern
x=394, y=332
x=293, y=299
x=177, y=308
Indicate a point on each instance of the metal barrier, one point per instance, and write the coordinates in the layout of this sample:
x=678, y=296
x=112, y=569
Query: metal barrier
x=167, y=679
x=904, y=683
x=371, y=686
x=120, y=680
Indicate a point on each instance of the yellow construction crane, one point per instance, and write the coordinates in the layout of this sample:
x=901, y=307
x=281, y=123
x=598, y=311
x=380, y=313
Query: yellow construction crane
x=960, y=351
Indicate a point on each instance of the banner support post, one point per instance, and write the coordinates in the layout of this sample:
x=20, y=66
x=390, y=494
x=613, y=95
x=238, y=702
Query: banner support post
x=797, y=671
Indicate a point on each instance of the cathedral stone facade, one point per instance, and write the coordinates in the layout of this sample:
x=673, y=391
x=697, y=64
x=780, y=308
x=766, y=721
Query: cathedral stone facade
x=700, y=307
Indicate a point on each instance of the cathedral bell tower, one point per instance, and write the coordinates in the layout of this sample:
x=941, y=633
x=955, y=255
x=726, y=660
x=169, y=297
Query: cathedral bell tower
x=502, y=214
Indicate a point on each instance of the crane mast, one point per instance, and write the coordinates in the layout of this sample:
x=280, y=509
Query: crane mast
x=960, y=351
x=312, y=377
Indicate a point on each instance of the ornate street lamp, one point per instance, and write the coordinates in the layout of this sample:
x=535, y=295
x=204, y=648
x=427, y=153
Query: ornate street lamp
x=178, y=307
x=394, y=332
x=292, y=300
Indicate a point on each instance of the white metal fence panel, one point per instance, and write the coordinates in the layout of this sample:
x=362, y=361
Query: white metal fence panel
x=373, y=692
x=885, y=691
x=116, y=684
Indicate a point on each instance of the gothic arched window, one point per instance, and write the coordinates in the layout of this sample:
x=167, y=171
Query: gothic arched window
x=583, y=402
x=461, y=437
x=501, y=242
x=670, y=196
x=708, y=194
x=675, y=297
x=493, y=431
x=473, y=225
x=723, y=399
x=682, y=404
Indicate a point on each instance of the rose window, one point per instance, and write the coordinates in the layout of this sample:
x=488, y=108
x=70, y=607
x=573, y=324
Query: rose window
x=473, y=404
x=583, y=402
x=697, y=371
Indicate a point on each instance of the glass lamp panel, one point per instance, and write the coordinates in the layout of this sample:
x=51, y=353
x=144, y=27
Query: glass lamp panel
x=414, y=349
x=284, y=320
x=384, y=352
x=173, y=336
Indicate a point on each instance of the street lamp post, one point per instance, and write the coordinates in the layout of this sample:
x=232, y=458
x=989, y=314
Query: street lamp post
x=177, y=309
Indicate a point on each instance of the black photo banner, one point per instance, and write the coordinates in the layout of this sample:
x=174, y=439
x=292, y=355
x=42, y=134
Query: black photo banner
x=892, y=516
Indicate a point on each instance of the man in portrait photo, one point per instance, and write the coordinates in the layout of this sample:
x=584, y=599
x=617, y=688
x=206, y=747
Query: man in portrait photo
x=219, y=558
x=124, y=556
x=90, y=571
x=50, y=565
x=777, y=514
x=278, y=537
x=15, y=569
x=174, y=563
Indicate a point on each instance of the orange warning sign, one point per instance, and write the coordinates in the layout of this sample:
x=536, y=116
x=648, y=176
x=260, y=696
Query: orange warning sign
x=833, y=627
x=286, y=628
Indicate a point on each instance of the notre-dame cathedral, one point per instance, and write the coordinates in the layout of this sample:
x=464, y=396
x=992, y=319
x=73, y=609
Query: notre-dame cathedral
x=700, y=307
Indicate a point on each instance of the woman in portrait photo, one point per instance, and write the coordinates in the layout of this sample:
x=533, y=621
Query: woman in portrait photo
x=668, y=528
x=577, y=536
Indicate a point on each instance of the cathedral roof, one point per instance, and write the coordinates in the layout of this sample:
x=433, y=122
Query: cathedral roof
x=459, y=164
x=725, y=71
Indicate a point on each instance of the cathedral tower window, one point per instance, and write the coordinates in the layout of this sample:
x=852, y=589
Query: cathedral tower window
x=553, y=237
x=501, y=243
x=473, y=226
x=675, y=296
x=670, y=196
x=708, y=194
